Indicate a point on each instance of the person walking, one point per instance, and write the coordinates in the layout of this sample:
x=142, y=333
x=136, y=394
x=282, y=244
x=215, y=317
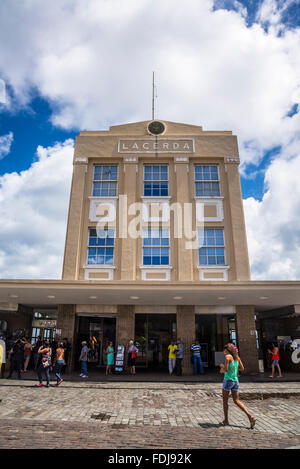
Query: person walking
x=27, y=354
x=84, y=359
x=68, y=348
x=179, y=357
x=233, y=363
x=132, y=354
x=59, y=362
x=36, y=355
x=16, y=358
x=275, y=360
x=172, y=356
x=196, y=357
x=45, y=364
x=110, y=354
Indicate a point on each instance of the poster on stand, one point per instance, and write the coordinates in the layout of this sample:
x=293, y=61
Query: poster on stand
x=119, y=367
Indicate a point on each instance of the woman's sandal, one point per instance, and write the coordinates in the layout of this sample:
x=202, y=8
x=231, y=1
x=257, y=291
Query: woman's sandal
x=252, y=423
x=225, y=424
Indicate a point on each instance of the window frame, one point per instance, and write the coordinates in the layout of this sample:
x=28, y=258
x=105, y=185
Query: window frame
x=107, y=181
x=159, y=246
x=211, y=181
x=98, y=247
x=212, y=246
x=155, y=181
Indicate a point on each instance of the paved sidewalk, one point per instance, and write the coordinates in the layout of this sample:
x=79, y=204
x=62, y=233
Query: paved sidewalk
x=129, y=415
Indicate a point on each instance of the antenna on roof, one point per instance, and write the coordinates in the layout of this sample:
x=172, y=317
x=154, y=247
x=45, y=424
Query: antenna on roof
x=154, y=94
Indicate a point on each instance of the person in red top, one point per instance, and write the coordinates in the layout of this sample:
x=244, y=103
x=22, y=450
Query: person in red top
x=275, y=360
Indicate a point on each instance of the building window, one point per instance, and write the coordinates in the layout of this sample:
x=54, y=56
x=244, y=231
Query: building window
x=101, y=247
x=156, y=181
x=207, y=181
x=211, y=246
x=156, y=246
x=105, y=181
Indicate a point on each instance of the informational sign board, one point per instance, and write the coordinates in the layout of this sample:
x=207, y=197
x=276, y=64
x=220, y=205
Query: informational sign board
x=119, y=366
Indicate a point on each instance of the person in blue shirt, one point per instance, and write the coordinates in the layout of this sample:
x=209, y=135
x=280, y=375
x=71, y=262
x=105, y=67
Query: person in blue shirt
x=196, y=357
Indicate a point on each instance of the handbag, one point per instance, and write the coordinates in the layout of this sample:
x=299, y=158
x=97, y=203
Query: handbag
x=133, y=354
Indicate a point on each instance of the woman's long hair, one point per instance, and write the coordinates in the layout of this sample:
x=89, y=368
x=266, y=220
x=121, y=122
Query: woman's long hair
x=232, y=350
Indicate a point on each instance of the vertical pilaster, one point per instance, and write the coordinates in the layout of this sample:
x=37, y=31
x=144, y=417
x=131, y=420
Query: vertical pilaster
x=184, y=255
x=125, y=324
x=73, y=237
x=128, y=258
x=239, y=247
x=245, y=323
x=186, y=329
x=66, y=323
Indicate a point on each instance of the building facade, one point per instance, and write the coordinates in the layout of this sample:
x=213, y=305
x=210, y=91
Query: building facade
x=159, y=178
x=156, y=249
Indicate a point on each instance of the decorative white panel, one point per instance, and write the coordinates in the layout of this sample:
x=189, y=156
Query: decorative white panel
x=218, y=203
x=98, y=207
x=211, y=270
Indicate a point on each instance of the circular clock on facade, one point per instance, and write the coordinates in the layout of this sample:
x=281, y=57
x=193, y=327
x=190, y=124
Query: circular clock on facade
x=156, y=128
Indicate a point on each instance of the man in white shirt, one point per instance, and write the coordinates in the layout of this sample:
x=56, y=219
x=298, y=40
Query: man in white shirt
x=84, y=359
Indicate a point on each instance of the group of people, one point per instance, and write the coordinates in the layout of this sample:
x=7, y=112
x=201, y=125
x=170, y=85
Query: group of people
x=41, y=356
x=176, y=350
x=110, y=358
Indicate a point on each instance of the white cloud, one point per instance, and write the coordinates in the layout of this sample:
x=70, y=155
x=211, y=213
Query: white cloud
x=5, y=144
x=33, y=214
x=94, y=60
x=273, y=224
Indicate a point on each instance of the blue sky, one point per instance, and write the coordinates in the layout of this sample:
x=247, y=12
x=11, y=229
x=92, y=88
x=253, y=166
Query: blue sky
x=223, y=64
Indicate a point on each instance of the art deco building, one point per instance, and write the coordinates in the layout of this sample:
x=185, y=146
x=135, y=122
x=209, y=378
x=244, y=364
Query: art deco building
x=156, y=249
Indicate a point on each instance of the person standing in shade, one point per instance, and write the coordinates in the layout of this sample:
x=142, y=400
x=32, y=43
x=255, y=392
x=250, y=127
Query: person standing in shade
x=2, y=355
x=84, y=359
x=179, y=357
x=45, y=352
x=196, y=357
x=275, y=360
x=233, y=363
x=68, y=348
x=16, y=358
x=172, y=356
x=132, y=354
x=59, y=362
x=36, y=354
x=27, y=354
x=110, y=353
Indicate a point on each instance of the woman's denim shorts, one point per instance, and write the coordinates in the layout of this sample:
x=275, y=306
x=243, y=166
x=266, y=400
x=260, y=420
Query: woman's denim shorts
x=229, y=385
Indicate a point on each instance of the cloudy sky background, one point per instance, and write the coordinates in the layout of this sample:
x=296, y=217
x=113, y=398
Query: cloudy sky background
x=69, y=65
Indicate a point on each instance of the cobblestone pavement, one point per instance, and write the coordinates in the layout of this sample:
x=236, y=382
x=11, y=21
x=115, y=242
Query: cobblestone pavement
x=137, y=415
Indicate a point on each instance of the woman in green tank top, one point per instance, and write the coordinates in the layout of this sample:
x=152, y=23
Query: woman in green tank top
x=232, y=365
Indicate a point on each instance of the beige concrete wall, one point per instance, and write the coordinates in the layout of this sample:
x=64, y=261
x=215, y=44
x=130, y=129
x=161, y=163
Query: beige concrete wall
x=210, y=148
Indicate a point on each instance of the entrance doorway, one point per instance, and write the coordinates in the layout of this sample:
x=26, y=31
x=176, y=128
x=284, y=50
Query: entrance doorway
x=97, y=332
x=153, y=333
x=213, y=332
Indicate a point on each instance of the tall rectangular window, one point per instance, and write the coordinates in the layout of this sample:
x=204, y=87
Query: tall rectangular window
x=156, y=180
x=101, y=247
x=105, y=180
x=207, y=180
x=156, y=246
x=211, y=246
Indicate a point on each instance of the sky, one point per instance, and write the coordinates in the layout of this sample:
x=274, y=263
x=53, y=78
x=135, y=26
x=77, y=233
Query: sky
x=69, y=65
